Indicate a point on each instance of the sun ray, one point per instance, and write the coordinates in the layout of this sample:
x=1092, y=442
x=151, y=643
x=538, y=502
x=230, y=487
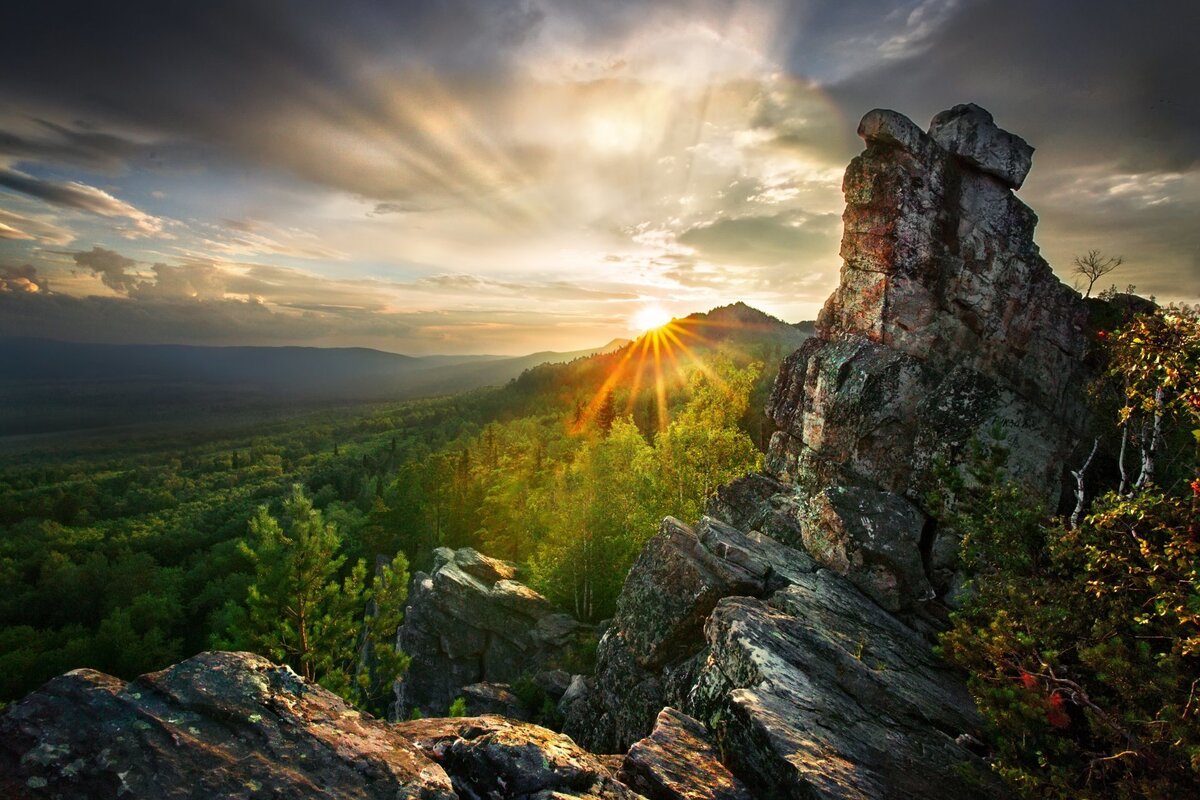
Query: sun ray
x=637, y=375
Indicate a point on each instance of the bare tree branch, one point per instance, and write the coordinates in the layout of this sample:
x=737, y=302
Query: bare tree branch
x=1094, y=266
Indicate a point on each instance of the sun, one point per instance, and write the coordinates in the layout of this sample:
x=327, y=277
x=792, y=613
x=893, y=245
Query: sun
x=647, y=318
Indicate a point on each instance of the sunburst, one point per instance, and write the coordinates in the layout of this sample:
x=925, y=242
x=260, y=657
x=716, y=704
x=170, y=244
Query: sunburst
x=650, y=317
x=662, y=357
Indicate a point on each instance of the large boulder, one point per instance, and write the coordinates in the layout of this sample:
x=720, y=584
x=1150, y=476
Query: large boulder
x=216, y=725
x=970, y=133
x=491, y=756
x=650, y=656
x=469, y=622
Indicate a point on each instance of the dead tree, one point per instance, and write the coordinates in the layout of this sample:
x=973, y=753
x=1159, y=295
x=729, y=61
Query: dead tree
x=1094, y=266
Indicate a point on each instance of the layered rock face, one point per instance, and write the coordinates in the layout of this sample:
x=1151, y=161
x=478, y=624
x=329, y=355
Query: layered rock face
x=946, y=321
x=469, y=623
x=809, y=686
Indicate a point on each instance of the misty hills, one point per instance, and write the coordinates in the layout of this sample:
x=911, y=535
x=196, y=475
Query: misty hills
x=49, y=386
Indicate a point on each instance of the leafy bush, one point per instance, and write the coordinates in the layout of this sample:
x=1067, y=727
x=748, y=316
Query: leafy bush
x=1083, y=643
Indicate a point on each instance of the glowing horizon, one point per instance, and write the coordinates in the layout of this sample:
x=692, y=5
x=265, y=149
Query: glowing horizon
x=494, y=179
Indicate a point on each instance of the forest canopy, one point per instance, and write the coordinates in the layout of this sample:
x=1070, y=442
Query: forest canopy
x=130, y=557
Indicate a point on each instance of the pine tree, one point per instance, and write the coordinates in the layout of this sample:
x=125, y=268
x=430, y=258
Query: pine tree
x=298, y=612
x=607, y=413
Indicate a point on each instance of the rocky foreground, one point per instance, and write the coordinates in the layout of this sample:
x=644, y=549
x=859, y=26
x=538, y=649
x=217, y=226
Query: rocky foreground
x=778, y=648
x=233, y=725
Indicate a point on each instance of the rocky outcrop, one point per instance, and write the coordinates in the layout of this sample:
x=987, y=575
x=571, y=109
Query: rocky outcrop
x=470, y=621
x=651, y=655
x=819, y=583
x=233, y=725
x=677, y=761
x=818, y=692
x=216, y=725
x=808, y=685
x=946, y=321
x=492, y=756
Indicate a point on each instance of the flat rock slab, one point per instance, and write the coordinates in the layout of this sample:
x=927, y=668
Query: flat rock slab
x=819, y=693
x=216, y=725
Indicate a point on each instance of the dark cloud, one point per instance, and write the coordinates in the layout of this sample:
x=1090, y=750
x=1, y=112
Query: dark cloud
x=113, y=269
x=1087, y=81
x=80, y=196
x=22, y=280
x=94, y=150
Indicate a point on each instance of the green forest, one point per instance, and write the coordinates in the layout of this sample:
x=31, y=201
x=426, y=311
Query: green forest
x=130, y=556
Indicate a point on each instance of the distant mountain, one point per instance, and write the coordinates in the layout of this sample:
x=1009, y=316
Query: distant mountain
x=494, y=372
x=648, y=376
x=741, y=322
x=48, y=385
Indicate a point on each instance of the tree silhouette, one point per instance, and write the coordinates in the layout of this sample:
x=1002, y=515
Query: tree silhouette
x=1094, y=266
x=607, y=413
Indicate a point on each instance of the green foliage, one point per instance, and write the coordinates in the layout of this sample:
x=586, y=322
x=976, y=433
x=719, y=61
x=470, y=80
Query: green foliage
x=125, y=556
x=1083, y=644
x=337, y=632
x=609, y=500
x=458, y=708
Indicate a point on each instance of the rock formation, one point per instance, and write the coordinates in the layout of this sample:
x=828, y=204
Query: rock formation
x=470, y=623
x=946, y=321
x=795, y=621
x=216, y=725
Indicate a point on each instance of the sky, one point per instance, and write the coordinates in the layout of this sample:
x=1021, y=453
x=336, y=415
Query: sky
x=506, y=176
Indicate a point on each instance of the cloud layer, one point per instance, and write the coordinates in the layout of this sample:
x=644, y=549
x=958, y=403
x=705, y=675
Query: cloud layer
x=457, y=165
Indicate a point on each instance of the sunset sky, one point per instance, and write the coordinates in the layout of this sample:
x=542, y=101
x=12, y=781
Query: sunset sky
x=497, y=176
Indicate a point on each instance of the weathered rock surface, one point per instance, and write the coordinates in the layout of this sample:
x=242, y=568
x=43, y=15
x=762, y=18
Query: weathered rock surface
x=761, y=502
x=215, y=725
x=494, y=698
x=818, y=692
x=946, y=320
x=874, y=539
x=650, y=657
x=678, y=762
x=492, y=756
x=471, y=622
x=969, y=132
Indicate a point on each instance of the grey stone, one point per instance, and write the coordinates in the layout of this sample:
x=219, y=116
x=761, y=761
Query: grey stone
x=470, y=622
x=874, y=539
x=820, y=693
x=215, y=725
x=970, y=132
